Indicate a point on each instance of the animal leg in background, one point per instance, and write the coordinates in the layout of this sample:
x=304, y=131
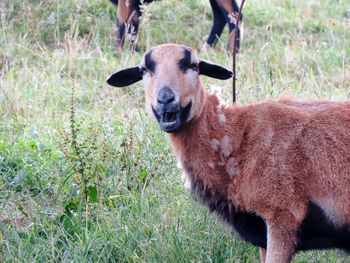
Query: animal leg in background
x=219, y=22
x=122, y=18
x=129, y=12
x=133, y=27
x=230, y=16
x=224, y=11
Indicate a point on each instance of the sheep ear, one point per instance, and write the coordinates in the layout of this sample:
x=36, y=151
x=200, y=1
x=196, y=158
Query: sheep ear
x=213, y=70
x=125, y=77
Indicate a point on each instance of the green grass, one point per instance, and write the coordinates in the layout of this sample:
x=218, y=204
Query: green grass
x=85, y=176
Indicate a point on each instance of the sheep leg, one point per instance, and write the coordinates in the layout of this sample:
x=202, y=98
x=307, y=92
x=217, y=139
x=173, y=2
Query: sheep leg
x=219, y=22
x=133, y=28
x=129, y=12
x=120, y=36
x=123, y=15
x=231, y=25
x=280, y=246
x=230, y=10
x=136, y=11
x=229, y=6
x=262, y=252
x=281, y=238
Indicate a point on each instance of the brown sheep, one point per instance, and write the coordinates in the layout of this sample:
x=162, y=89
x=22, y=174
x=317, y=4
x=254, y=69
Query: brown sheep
x=277, y=171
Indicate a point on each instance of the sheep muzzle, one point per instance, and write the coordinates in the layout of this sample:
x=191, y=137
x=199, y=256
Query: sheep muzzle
x=171, y=118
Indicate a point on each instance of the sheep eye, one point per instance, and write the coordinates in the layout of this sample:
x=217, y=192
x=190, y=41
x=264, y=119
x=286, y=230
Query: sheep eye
x=193, y=66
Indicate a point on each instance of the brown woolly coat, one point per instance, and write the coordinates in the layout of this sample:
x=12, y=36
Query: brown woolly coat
x=272, y=158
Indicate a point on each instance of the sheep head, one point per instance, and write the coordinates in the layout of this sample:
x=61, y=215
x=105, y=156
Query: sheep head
x=173, y=91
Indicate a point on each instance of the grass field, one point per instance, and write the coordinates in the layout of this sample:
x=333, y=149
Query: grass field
x=84, y=175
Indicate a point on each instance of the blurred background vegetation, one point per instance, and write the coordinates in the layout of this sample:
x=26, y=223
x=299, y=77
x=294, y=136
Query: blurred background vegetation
x=85, y=176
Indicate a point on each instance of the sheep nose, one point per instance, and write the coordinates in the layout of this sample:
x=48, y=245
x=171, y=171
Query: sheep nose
x=165, y=96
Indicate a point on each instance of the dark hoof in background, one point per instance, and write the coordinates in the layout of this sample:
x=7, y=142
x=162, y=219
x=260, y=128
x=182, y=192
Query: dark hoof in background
x=132, y=48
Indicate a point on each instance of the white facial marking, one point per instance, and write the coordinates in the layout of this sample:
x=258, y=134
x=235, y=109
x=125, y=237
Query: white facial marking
x=215, y=144
x=191, y=75
x=231, y=167
x=146, y=78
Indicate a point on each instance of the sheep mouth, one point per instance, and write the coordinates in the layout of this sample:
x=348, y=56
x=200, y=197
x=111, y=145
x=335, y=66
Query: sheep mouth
x=169, y=117
x=171, y=120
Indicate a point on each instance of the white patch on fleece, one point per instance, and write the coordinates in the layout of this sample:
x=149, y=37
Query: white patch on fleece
x=191, y=75
x=215, y=90
x=220, y=113
x=222, y=104
x=226, y=146
x=222, y=118
x=230, y=167
x=215, y=144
